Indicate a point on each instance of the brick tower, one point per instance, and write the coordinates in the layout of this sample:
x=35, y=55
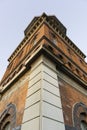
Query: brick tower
x=45, y=83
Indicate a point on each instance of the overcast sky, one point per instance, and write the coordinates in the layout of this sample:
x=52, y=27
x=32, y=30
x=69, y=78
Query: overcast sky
x=15, y=15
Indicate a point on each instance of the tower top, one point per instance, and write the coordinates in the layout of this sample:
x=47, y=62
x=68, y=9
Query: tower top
x=45, y=35
x=51, y=21
x=45, y=18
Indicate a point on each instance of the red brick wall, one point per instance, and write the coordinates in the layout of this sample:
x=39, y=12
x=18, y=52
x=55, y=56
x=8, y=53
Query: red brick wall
x=69, y=97
x=18, y=98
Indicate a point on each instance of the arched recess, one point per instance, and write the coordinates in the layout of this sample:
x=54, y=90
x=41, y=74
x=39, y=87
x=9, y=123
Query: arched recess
x=80, y=116
x=8, y=117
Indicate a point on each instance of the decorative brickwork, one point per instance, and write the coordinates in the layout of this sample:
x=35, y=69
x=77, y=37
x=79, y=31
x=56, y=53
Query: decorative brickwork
x=79, y=114
x=8, y=116
x=51, y=30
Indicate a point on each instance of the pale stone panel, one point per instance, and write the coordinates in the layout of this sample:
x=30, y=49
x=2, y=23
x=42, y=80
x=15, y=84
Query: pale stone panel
x=51, y=88
x=48, y=63
x=50, y=79
x=43, y=110
x=50, y=98
x=52, y=112
x=36, y=71
x=34, y=88
x=50, y=72
x=33, y=99
x=31, y=125
x=49, y=124
x=37, y=63
x=31, y=112
x=35, y=79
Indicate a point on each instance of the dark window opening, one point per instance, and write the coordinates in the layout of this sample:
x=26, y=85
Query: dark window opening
x=83, y=125
x=70, y=65
x=7, y=126
x=60, y=56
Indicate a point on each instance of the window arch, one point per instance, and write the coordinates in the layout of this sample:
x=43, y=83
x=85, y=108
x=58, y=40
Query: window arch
x=8, y=117
x=80, y=116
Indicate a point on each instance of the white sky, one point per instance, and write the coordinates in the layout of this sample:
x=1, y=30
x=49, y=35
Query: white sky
x=15, y=15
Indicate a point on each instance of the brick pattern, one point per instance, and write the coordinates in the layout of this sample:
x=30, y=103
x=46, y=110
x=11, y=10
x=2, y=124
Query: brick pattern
x=16, y=97
x=18, y=62
x=69, y=97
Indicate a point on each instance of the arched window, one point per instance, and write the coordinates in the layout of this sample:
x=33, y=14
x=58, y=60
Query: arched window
x=8, y=118
x=7, y=126
x=83, y=125
x=80, y=116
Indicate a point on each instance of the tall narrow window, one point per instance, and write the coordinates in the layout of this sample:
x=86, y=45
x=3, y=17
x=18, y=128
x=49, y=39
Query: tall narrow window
x=83, y=125
x=7, y=126
x=55, y=41
x=80, y=116
x=34, y=39
x=53, y=38
x=8, y=121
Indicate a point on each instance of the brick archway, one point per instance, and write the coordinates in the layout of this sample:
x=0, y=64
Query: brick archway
x=8, y=115
x=79, y=115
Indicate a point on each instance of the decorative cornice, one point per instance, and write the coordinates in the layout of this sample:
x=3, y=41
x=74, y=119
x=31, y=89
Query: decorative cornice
x=50, y=50
x=65, y=39
x=55, y=24
x=29, y=34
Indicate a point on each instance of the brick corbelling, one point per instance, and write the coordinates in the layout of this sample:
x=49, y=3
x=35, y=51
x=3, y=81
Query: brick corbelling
x=66, y=40
x=22, y=48
x=55, y=52
x=64, y=60
x=26, y=51
x=32, y=30
x=50, y=20
x=59, y=50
